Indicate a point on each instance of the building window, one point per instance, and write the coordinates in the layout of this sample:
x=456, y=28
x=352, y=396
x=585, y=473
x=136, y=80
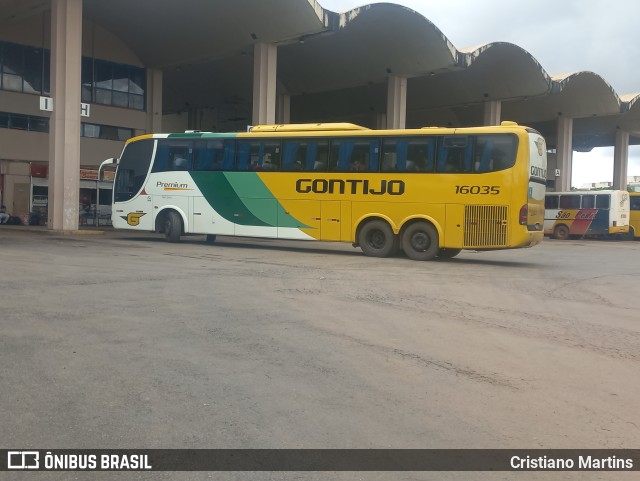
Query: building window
x=114, y=84
x=31, y=123
x=105, y=132
x=26, y=69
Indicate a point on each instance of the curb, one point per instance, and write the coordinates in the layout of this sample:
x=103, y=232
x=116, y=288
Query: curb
x=44, y=230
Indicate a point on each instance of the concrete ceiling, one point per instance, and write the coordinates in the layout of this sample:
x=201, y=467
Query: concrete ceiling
x=335, y=66
x=170, y=33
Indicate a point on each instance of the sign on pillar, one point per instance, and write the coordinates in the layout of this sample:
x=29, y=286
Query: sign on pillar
x=46, y=104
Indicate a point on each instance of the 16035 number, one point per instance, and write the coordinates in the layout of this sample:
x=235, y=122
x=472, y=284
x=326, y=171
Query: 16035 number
x=478, y=189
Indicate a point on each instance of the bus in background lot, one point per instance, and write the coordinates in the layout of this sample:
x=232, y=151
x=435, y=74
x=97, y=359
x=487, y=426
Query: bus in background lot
x=430, y=191
x=634, y=215
x=586, y=213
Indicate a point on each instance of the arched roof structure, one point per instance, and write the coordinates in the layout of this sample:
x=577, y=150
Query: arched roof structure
x=338, y=63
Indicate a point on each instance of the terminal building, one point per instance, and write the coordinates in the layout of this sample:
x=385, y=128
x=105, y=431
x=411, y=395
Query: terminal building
x=79, y=77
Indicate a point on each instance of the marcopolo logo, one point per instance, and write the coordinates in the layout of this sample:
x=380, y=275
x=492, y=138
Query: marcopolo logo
x=23, y=460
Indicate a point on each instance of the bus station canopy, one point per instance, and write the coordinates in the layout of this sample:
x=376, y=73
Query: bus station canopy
x=335, y=66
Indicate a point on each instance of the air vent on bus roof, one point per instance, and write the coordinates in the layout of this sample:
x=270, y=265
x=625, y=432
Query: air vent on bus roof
x=321, y=127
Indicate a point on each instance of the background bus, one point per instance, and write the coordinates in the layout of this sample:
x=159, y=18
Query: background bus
x=586, y=213
x=431, y=191
x=634, y=215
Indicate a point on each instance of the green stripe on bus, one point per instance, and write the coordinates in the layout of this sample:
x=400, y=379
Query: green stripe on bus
x=242, y=198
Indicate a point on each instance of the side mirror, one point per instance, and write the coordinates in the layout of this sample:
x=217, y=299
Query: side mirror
x=111, y=161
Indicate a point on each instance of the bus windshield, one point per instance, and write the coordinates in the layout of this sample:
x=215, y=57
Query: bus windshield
x=133, y=167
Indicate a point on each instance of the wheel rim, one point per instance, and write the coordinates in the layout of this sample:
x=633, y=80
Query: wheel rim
x=376, y=239
x=420, y=241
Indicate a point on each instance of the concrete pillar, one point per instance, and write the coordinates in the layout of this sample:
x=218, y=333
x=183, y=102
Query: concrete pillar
x=397, y=103
x=284, y=109
x=264, y=83
x=380, y=121
x=620, y=160
x=154, y=101
x=492, y=112
x=64, y=136
x=564, y=153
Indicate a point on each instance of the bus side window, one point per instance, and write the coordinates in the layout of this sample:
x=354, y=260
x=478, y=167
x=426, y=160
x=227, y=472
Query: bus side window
x=317, y=154
x=494, y=152
x=454, y=154
x=634, y=202
x=588, y=201
x=270, y=158
x=420, y=155
x=228, y=155
x=551, y=202
x=354, y=155
x=243, y=154
x=570, y=202
x=293, y=153
x=173, y=156
x=407, y=154
x=214, y=155
x=602, y=201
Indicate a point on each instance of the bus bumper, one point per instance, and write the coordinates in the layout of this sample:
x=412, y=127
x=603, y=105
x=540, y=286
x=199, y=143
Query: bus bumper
x=620, y=229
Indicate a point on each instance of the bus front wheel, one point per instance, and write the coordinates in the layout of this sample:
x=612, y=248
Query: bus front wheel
x=561, y=232
x=172, y=227
x=376, y=239
x=420, y=241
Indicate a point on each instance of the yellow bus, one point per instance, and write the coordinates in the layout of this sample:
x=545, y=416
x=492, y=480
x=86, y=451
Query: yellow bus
x=430, y=192
x=634, y=215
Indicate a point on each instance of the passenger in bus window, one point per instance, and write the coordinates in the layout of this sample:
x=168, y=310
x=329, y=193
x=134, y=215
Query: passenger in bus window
x=412, y=166
x=268, y=164
x=319, y=165
x=356, y=165
x=180, y=163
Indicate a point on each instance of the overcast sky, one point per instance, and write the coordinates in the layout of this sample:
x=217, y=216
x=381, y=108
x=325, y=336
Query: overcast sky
x=601, y=36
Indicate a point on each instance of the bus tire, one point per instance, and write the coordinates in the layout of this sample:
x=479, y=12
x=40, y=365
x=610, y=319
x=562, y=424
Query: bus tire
x=172, y=227
x=420, y=241
x=448, y=253
x=561, y=232
x=376, y=239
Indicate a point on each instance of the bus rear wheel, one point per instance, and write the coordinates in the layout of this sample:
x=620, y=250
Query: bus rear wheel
x=172, y=227
x=376, y=239
x=420, y=241
x=561, y=232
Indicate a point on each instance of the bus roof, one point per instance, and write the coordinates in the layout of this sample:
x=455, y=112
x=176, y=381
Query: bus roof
x=330, y=128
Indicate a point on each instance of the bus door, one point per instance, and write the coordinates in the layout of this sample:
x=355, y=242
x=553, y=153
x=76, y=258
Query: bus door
x=256, y=217
x=299, y=214
x=330, y=220
x=207, y=221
